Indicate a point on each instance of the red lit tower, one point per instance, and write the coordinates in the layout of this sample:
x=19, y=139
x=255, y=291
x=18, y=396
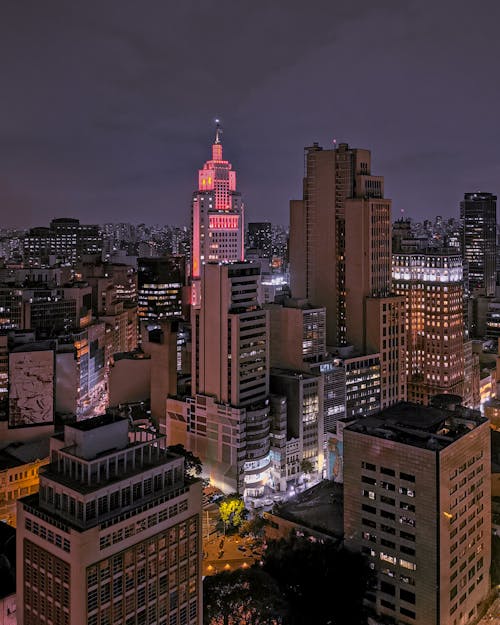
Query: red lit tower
x=217, y=216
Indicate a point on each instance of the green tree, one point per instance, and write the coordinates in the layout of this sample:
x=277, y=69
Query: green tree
x=306, y=466
x=232, y=511
x=322, y=582
x=192, y=464
x=248, y=596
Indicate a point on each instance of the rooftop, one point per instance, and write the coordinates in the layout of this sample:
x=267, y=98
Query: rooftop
x=420, y=426
x=319, y=508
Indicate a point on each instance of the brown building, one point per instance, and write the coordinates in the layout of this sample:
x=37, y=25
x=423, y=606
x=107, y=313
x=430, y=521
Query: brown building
x=417, y=503
x=431, y=283
x=114, y=535
x=340, y=258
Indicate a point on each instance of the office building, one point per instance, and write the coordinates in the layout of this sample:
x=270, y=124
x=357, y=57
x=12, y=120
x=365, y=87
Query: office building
x=217, y=213
x=304, y=406
x=317, y=229
x=432, y=284
x=114, y=534
x=478, y=214
x=417, y=504
x=226, y=421
x=160, y=285
x=340, y=258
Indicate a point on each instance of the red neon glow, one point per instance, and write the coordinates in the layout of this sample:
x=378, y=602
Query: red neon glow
x=223, y=222
x=196, y=240
x=218, y=175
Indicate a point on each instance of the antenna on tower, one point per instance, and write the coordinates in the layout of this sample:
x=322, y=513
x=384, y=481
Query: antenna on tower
x=218, y=130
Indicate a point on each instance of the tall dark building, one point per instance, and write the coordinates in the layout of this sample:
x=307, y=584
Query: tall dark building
x=478, y=213
x=160, y=283
x=260, y=237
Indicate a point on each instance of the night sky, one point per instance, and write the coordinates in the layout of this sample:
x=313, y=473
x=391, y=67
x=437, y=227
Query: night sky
x=107, y=107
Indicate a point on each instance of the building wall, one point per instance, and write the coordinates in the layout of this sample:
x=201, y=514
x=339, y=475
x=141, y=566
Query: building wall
x=448, y=514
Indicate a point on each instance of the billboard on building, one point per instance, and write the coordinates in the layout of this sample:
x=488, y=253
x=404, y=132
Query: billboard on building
x=31, y=388
x=335, y=464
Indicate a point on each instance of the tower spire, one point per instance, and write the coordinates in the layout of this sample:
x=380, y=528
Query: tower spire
x=218, y=131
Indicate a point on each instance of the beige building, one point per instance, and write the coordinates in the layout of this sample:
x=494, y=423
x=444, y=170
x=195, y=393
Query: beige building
x=226, y=421
x=114, y=535
x=418, y=505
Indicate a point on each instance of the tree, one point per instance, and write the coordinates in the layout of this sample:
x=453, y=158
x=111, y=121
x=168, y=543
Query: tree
x=256, y=526
x=232, y=511
x=248, y=596
x=322, y=582
x=306, y=466
x=192, y=464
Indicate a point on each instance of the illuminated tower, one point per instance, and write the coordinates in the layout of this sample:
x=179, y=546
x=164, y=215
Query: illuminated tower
x=217, y=216
x=432, y=285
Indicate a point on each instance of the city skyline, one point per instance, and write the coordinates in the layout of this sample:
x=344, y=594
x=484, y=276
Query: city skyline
x=118, y=125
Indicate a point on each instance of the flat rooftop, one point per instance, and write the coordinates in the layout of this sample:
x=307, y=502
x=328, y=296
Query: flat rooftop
x=320, y=508
x=420, y=426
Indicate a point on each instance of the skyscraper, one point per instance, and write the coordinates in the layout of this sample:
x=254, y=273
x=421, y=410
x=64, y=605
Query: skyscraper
x=478, y=214
x=226, y=422
x=432, y=285
x=340, y=257
x=217, y=216
x=114, y=534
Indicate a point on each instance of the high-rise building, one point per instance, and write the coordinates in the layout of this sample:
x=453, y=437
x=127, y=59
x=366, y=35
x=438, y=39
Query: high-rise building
x=114, y=534
x=340, y=257
x=432, y=284
x=478, y=214
x=160, y=285
x=217, y=216
x=226, y=422
x=230, y=335
x=317, y=229
x=417, y=504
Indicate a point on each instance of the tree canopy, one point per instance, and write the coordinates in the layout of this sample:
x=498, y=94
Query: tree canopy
x=324, y=584
x=247, y=596
x=192, y=464
x=232, y=511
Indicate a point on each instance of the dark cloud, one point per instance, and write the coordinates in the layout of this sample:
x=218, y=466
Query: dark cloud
x=106, y=105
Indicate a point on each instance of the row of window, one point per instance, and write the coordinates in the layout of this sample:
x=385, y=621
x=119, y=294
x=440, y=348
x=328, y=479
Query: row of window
x=47, y=534
x=142, y=524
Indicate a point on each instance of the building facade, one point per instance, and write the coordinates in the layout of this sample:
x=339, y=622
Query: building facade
x=113, y=536
x=418, y=505
x=432, y=284
x=478, y=214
